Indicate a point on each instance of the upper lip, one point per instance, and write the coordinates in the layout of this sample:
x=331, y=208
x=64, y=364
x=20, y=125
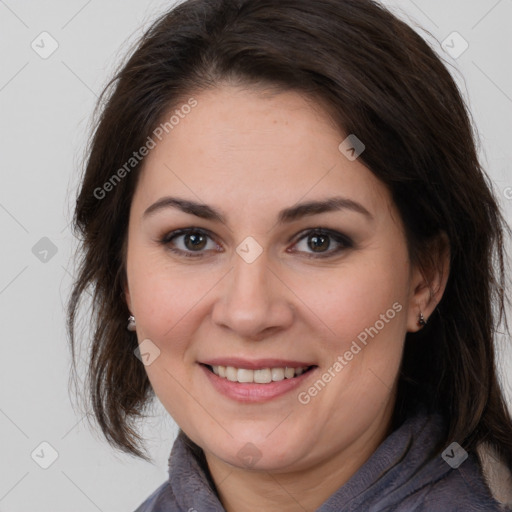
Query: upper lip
x=256, y=364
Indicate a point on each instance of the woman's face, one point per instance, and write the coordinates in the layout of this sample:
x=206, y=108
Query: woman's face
x=293, y=257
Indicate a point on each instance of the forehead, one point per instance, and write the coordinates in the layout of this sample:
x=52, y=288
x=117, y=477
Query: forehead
x=243, y=144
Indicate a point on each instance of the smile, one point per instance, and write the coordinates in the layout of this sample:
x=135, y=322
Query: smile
x=265, y=381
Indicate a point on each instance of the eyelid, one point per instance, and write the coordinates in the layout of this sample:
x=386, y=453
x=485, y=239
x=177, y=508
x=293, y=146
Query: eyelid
x=320, y=230
x=168, y=236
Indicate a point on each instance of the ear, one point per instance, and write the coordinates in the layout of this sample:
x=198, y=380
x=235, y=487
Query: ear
x=428, y=281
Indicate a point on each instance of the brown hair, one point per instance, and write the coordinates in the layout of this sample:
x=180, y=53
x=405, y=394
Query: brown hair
x=381, y=82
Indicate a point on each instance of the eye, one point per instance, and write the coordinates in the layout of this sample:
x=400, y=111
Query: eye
x=190, y=242
x=321, y=241
x=315, y=243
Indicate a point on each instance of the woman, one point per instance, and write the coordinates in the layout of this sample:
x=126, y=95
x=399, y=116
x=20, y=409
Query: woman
x=292, y=244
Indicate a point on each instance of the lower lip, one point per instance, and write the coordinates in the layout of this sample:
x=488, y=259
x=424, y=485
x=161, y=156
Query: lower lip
x=251, y=392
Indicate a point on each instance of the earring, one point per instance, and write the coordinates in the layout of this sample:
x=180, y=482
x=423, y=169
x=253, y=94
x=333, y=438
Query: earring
x=421, y=320
x=131, y=323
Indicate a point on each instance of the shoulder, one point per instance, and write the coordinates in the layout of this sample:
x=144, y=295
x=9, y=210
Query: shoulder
x=409, y=473
x=464, y=489
x=159, y=501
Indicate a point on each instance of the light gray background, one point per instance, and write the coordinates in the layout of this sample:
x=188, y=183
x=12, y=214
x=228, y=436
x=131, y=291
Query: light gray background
x=46, y=105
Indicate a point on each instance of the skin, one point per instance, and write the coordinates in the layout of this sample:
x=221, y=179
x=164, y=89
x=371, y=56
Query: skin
x=250, y=154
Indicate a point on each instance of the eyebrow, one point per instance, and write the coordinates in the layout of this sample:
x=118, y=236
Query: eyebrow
x=287, y=215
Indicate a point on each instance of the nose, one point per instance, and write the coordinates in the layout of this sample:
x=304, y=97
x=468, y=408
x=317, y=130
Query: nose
x=253, y=303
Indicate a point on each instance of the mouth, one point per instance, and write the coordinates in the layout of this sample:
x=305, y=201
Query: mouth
x=259, y=375
x=256, y=381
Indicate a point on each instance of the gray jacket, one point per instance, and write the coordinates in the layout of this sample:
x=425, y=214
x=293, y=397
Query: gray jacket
x=401, y=476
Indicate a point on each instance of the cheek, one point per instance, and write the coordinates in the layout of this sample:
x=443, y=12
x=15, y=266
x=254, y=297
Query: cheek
x=160, y=301
x=353, y=297
x=167, y=305
x=364, y=305
x=167, y=298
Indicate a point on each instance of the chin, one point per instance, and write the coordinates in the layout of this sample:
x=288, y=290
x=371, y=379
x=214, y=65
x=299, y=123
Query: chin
x=268, y=454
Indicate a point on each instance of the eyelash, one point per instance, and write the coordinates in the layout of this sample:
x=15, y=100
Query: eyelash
x=339, y=238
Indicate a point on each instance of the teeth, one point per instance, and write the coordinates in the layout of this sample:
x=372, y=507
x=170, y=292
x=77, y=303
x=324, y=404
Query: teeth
x=244, y=375
x=262, y=376
x=231, y=373
x=277, y=373
x=289, y=373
